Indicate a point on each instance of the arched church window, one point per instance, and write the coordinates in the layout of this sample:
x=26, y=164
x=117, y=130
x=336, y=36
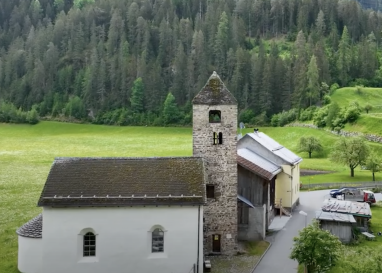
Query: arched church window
x=89, y=244
x=157, y=240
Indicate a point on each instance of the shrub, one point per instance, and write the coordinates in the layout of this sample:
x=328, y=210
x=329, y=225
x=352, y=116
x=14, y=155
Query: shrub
x=246, y=115
x=334, y=87
x=275, y=120
x=319, y=118
x=327, y=100
x=308, y=113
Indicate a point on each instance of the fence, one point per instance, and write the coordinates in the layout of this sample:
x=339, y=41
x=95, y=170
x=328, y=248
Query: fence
x=372, y=184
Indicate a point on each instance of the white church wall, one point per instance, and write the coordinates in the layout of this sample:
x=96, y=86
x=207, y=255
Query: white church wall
x=29, y=254
x=123, y=239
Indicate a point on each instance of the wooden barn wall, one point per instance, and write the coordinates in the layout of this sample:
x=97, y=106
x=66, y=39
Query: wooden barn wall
x=252, y=187
x=341, y=230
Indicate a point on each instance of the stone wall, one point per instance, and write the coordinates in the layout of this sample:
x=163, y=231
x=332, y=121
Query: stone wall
x=220, y=213
x=369, y=137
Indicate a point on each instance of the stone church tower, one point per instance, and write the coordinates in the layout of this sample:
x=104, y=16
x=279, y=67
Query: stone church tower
x=214, y=139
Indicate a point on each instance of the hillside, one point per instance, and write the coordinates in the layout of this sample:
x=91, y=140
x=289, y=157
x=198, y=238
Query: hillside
x=121, y=62
x=369, y=123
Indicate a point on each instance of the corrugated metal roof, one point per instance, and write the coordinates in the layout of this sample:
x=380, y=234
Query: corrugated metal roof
x=336, y=217
x=349, y=207
x=261, y=164
x=243, y=199
x=275, y=147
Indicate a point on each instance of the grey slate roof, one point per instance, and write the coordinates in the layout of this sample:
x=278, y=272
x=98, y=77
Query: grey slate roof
x=125, y=182
x=275, y=148
x=257, y=164
x=32, y=229
x=335, y=217
x=214, y=93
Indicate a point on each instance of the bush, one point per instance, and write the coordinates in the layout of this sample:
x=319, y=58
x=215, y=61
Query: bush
x=10, y=114
x=260, y=120
x=275, y=120
x=352, y=113
x=319, y=118
x=334, y=87
x=327, y=100
x=308, y=113
x=246, y=116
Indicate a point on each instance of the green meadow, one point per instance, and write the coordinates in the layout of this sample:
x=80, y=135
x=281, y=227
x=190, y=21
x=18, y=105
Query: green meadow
x=368, y=123
x=27, y=152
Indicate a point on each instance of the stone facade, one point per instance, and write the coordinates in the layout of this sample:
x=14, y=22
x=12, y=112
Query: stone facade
x=220, y=213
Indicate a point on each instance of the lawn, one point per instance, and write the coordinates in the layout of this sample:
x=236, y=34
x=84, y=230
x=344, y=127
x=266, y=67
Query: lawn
x=27, y=152
x=376, y=226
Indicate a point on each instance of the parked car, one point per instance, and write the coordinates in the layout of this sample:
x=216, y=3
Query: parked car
x=334, y=193
x=354, y=194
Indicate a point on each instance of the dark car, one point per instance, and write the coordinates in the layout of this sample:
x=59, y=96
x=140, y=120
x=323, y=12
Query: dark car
x=334, y=193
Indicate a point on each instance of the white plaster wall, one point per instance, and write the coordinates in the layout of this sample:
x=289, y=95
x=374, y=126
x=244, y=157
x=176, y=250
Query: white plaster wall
x=29, y=255
x=123, y=239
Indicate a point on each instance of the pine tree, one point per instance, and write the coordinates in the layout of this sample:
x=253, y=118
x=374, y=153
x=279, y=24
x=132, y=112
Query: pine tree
x=221, y=45
x=137, y=95
x=170, y=110
x=344, y=57
x=313, y=88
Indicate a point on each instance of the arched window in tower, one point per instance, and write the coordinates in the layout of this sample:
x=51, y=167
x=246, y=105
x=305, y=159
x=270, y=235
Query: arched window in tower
x=215, y=138
x=220, y=138
x=215, y=116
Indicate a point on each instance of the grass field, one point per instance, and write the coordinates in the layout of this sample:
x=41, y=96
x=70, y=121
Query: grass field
x=370, y=123
x=27, y=152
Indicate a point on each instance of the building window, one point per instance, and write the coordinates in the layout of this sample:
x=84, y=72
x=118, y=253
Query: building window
x=89, y=244
x=210, y=191
x=214, y=116
x=157, y=240
x=215, y=138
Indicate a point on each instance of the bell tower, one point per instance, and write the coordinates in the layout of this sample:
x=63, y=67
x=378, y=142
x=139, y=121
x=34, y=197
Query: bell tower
x=214, y=138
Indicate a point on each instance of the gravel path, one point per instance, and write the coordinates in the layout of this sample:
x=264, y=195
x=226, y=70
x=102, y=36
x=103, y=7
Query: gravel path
x=235, y=264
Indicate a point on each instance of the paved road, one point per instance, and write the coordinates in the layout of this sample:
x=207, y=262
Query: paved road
x=277, y=258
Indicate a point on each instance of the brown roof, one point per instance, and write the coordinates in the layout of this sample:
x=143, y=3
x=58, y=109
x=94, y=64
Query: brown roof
x=125, y=182
x=254, y=168
x=214, y=93
x=32, y=229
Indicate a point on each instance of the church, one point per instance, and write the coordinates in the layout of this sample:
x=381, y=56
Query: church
x=163, y=214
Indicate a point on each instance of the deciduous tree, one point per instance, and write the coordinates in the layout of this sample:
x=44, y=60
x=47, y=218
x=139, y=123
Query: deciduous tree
x=310, y=144
x=316, y=248
x=351, y=152
x=373, y=164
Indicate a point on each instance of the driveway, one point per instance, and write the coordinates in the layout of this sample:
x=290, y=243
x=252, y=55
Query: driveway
x=277, y=258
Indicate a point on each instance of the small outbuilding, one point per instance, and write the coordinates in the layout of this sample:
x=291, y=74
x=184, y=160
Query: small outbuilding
x=338, y=224
x=360, y=211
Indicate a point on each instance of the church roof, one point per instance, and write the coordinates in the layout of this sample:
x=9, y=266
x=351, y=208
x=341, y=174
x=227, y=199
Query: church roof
x=257, y=164
x=125, y=182
x=214, y=93
x=32, y=229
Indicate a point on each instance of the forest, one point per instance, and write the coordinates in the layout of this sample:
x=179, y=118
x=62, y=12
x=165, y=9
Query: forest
x=141, y=62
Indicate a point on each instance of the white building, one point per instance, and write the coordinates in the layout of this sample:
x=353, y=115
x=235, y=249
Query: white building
x=118, y=215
